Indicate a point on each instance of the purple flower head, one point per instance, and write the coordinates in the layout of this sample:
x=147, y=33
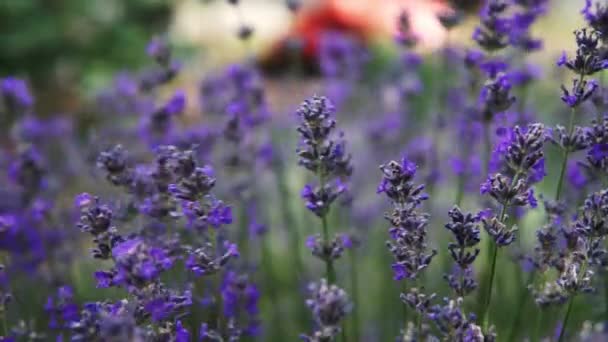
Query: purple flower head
x=576, y=176
x=473, y=58
x=493, y=33
x=181, y=333
x=318, y=200
x=496, y=95
x=176, y=104
x=320, y=151
x=220, y=215
x=495, y=66
x=206, y=260
x=61, y=308
x=28, y=170
x=159, y=49
x=588, y=59
x=139, y=263
x=15, y=97
x=598, y=152
x=240, y=298
x=397, y=182
x=329, y=305
x=167, y=303
x=325, y=250
x=581, y=92
x=452, y=322
x=114, y=163
x=349, y=240
x=596, y=16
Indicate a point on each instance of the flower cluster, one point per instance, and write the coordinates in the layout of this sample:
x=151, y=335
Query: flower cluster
x=522, y=163
x=329, y=305
x=465, y=228
x=583, y=254
x=408, y=233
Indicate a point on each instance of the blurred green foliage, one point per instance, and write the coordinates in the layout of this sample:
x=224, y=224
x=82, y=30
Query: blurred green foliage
x=41, y=39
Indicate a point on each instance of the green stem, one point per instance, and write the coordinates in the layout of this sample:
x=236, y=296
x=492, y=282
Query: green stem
x=562, y=333
x=560, y=182
x=330, y=272
x=488, y=296
x=538, y=326
x=521, y=302
x=289, y=221
x=344, y=335
x=405, y=310
x=494, y=253
x=271, y=281
x=605, y=296
x=418, y=314
x=354, y=285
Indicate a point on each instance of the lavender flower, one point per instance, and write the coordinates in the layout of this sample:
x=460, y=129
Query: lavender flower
x=582, y=256
x=455, y=325
x=408, y=235
x=96, y=219
x=597, y=17
x=15, y=98
x=240, y=298
x=159, y=50
x=521, y=156
x=329, y=305
x=324, y=155
x=464, y=251
x=493, y=34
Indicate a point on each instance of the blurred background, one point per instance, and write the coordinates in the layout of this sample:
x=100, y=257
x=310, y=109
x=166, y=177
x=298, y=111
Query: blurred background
x=69, y=47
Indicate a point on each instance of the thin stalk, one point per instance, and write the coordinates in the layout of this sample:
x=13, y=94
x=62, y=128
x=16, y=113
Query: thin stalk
x=289, y=221
x=270, y=283
x=405, y=310
x=214, y=239
x=605, y=295
x=562, y=332
x=419, y=314
x=494, y=247
x=354, y=288
x=538, y=326
x=488, y=297
x=560, y=181
x=330, y=272
x=521, y=302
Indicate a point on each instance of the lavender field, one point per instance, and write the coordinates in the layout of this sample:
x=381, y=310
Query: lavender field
x=329, y=186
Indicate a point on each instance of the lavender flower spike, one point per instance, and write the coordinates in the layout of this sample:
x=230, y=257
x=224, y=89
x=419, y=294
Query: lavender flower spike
x=329, y=305
x=408, y=233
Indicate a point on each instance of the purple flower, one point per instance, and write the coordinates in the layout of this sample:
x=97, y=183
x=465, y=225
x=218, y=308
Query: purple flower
x=493, y=33
x=181, y=333
x=176, y=104
x=158, y=49
x=329, y=305
x=596, y=17
x=220, y=215
x=15, y=95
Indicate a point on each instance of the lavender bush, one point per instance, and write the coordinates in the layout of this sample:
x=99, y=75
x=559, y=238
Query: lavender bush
x=163, y=213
